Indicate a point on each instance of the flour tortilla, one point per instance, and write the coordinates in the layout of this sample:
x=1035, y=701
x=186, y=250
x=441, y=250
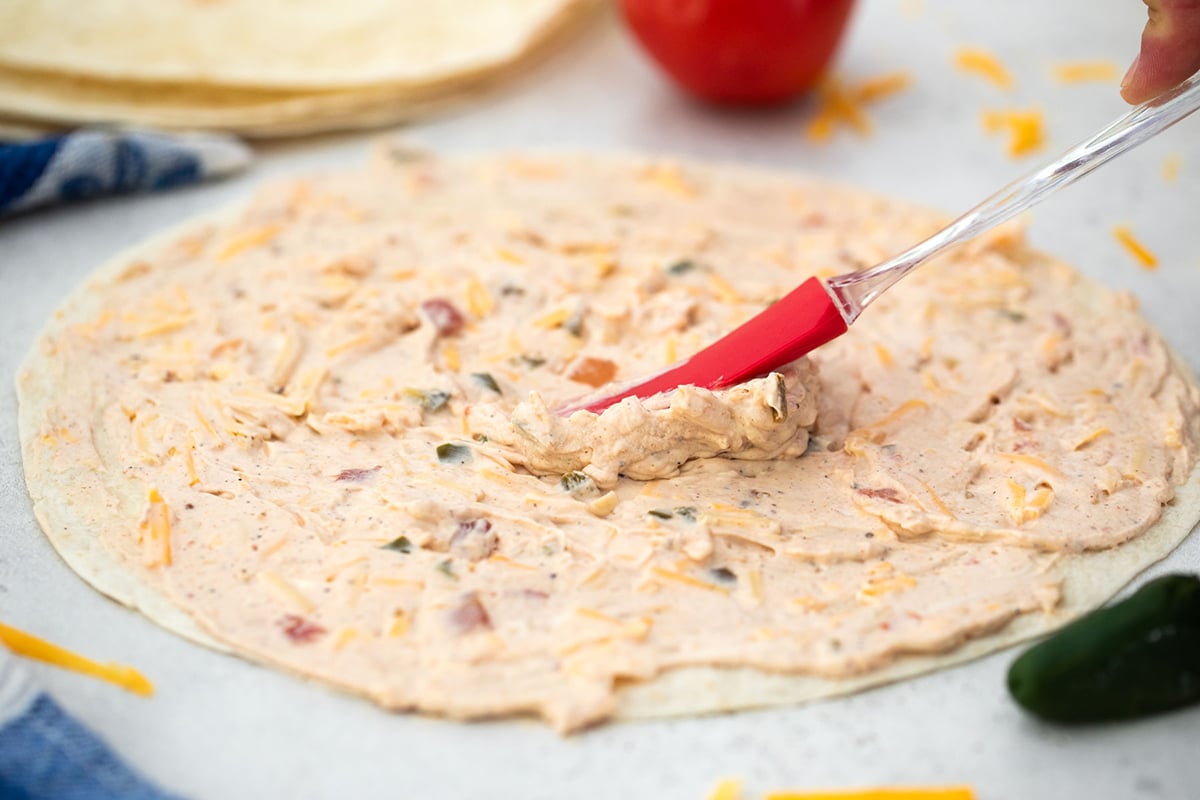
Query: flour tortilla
x=280, y=44
x=40, y=98
x=81, y=499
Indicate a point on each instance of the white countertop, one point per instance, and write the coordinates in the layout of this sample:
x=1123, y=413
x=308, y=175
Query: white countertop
x=222, y=728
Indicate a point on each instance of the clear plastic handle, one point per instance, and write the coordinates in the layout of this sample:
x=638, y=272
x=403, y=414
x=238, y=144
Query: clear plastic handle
x=854, y=292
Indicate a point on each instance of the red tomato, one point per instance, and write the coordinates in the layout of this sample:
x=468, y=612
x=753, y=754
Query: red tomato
x=740, y=51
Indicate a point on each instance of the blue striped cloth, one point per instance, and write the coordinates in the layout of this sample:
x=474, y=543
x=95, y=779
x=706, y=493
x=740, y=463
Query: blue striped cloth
x=90, y=163
x=46, y=754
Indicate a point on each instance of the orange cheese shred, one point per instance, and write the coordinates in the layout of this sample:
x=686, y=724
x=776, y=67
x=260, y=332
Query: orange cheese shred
x=842, y=104
x=156, y=531
x=908, y=793
x=1085, y=71
x=983, y=64
x=1026, y=129
x=1144, y=256
x=30, y=646
x=1170, y=168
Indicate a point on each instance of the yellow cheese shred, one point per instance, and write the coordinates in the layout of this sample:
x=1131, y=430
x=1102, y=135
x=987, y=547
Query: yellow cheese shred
x=1084, y=71
x=1026, y=129
x=479, y=299
x=156, y=531
x=1170, y=167
x=898, y=793
x=984, y=64
x=839, y=104
x=727, y=789
x=30, y=646
x=250, y=239
x=1144, y=256
x=688, y=580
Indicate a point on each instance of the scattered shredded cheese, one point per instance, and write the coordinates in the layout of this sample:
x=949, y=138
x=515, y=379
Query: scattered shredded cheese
x=984, y=64
x=727, y=789
x=156, y=531
x=1031, y=461
x=248, y=240
x=1138, y=250
x=286, y=590
x=1026, y=129
x=723, y=290
x=680, y=577
x=1170, y=167
x=1083, y=71
x=907, y=793
x=839, y=104
x=509, y=256
x=450, y=357
x=670, y=177
x=30, y=646
x=479, y=300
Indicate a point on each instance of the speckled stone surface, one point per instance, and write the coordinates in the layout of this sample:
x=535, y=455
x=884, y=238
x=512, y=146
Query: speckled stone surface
x=222, y=728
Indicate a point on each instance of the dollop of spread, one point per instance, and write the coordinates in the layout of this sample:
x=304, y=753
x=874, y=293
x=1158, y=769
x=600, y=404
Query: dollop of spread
x=326, y=424
x=761, y=419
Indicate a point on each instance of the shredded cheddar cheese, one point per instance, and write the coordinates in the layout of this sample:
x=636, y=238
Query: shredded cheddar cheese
x=907, y=793
x=1170, y=168
x=1025, y=128
x=450, y=357
x=727, y=789
x=1139, y=251
x=839, y=104
x=30, y=646
x=680, y=577
x=479, y=300
x=1083, y=71
x=248, y=240
x=724, y=290
x=984, y=64
x=508, y=255
x=671, y=178
x=156, y=532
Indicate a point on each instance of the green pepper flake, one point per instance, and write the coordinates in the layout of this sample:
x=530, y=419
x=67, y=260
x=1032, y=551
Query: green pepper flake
x=400, y=544
x=686, y=512
x=682, y=266
x=486, y=380
x=723, y=575
x=447, y=569
x=480, y=437
x=453, y=453
x=580, y=485
x=430, y=399
x=660, y=513
x=1013, y=316
x=573, y=480
x=533, y=362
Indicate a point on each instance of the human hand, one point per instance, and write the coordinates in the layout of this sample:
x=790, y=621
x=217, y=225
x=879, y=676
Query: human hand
x=1170, y=50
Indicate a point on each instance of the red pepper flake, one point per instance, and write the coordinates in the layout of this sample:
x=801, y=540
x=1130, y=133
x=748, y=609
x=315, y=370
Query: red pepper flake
x=536, y=594
x=445, y=317
x=357, y=474
x=891, y=495
x=300, y=630
x=470, y=615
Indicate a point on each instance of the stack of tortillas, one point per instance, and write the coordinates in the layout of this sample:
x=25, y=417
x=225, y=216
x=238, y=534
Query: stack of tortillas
x=259, y=67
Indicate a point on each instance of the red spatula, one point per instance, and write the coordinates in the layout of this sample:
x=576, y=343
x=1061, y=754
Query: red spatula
x=816, y=311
